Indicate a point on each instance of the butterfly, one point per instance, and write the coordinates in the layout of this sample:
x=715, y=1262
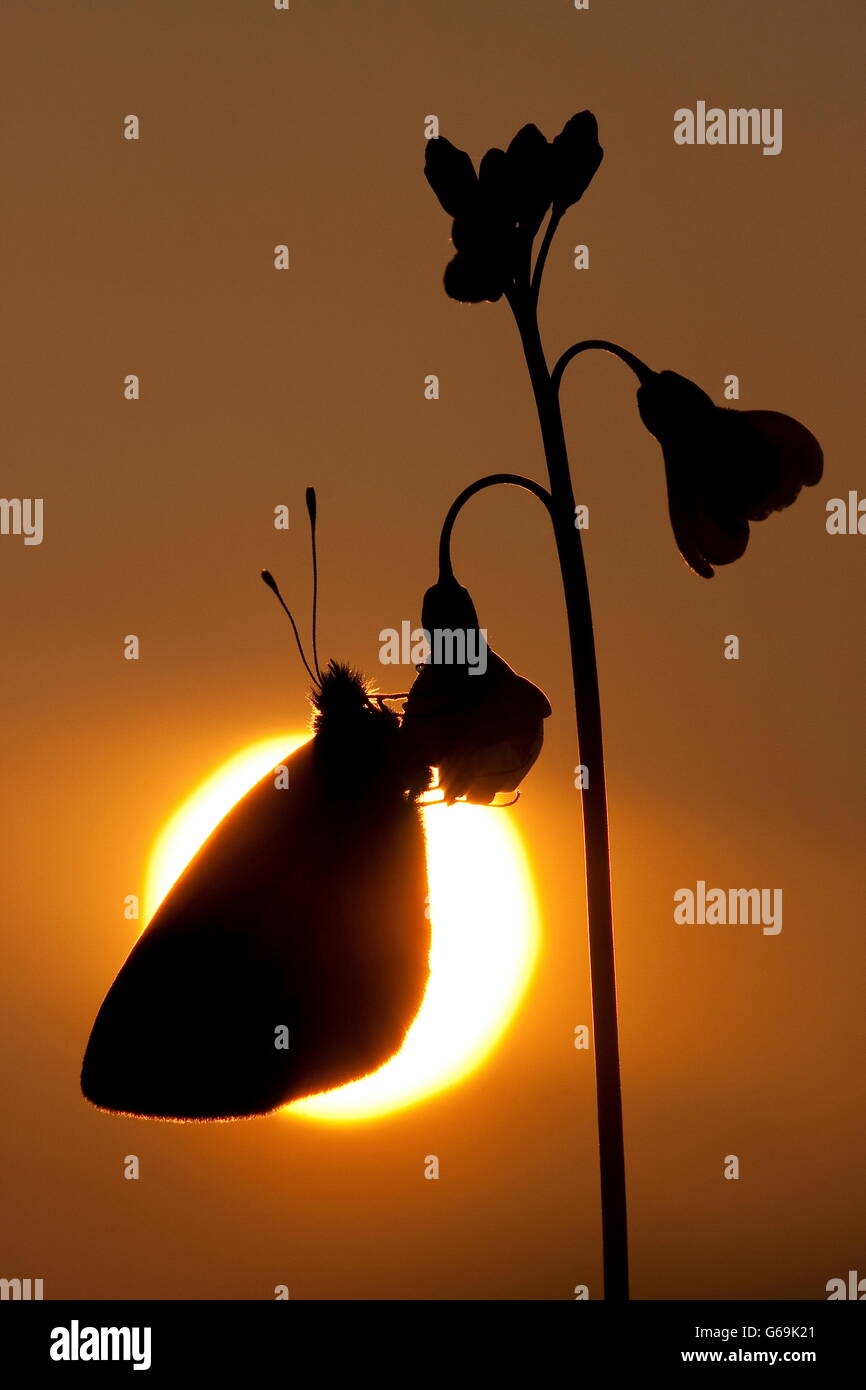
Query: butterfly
x=292, y=954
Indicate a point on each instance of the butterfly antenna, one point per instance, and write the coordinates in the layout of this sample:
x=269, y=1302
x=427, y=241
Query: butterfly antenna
x=272, y=584
x=311, y=509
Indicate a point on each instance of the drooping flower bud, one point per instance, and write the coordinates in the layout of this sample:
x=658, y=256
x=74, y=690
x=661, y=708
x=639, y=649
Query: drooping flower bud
x=470, y=715
x=575, y=157
x=724, y=467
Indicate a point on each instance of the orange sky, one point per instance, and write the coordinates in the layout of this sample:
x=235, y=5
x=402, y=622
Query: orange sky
x=307, y=127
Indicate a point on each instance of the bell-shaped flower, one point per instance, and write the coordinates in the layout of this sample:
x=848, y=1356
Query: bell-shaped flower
x=724, y=467
x=473, y=718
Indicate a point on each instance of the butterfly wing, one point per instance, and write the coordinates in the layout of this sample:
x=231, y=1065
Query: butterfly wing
x=304, y=911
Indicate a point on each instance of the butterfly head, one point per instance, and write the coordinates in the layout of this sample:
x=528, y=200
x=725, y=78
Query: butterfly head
x=357, y=739
x=340, y=697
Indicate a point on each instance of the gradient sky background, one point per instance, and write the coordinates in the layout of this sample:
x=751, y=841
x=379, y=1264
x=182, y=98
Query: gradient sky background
x=156, y=257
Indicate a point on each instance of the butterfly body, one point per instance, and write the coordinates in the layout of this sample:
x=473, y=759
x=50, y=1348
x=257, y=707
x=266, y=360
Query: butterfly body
x=300, y=920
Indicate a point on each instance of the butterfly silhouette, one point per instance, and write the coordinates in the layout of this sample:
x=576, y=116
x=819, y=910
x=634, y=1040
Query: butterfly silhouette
x=292, y=954
x=301, y=920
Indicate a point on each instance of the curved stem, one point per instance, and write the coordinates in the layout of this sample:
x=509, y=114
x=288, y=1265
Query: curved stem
x=549, y=234
x=640, y=369
x=595, y=825
x=492, y=480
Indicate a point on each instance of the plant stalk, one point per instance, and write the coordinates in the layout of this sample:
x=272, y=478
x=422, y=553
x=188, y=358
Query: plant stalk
x=595, y=825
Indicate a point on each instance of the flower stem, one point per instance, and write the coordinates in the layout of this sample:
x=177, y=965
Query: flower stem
x=640, y=369
x=553, y=222
x=595, y=826
x=492, y=480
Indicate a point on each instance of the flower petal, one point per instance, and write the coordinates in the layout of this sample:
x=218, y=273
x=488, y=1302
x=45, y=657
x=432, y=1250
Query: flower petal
x=774, y=457
x=494, y=187
x=472, y=279
x=451, y=175
x=704, y=536
x=575, y=156
x=530, y=176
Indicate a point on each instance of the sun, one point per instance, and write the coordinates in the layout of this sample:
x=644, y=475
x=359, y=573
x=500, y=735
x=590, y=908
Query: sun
x=484, y=934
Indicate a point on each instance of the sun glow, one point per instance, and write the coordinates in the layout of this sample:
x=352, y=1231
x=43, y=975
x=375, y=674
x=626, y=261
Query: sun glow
x=485, y=934
x=186, y=831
